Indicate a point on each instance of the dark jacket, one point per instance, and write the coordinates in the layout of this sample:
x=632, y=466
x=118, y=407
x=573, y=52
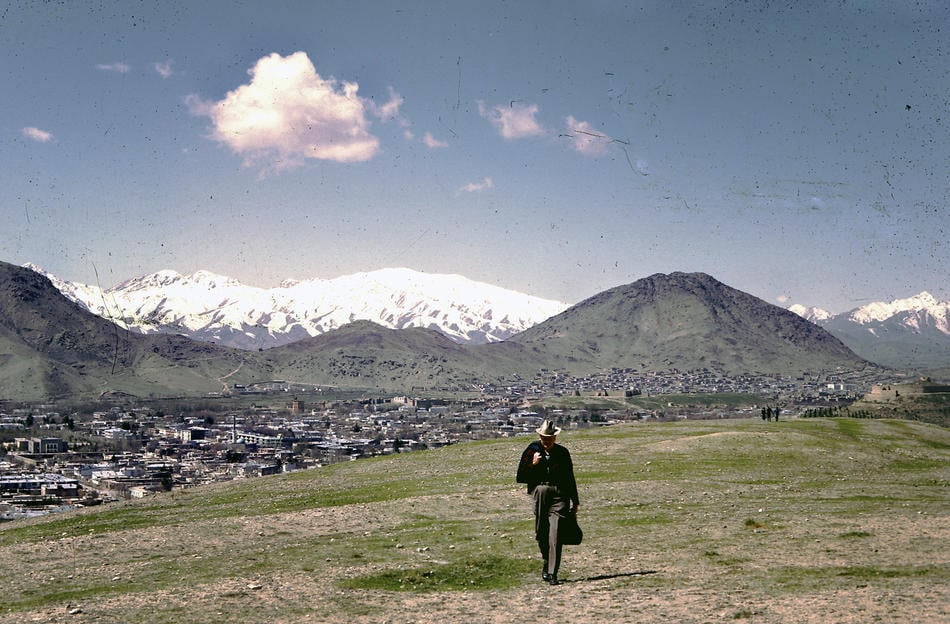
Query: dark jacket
x=558, y=471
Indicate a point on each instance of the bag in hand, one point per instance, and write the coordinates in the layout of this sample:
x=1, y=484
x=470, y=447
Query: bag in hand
x=570, y=532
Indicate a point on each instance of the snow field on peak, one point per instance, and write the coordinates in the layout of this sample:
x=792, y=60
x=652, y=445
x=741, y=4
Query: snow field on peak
x=207, y=303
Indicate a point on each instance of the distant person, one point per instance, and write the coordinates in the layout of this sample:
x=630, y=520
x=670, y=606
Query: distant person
x=547, y=469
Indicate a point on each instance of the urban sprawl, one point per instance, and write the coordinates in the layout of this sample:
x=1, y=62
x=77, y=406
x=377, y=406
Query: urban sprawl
x=56, y=459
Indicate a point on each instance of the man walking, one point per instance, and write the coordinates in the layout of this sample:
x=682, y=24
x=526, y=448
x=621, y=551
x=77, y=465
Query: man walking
x=548, y=471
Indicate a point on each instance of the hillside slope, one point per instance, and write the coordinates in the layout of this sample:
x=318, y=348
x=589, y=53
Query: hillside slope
x=899, y=342
x=911, y=333
x=805, y=520
x=369, y=355
x=685, y=321
x=51, y=348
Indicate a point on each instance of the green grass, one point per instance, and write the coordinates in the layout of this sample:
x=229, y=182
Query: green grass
x=338, y=485
x=643, y=520
x=481, y=573
x=805, y=578
x=854, y=534
x=850, y=427
x=725, y=400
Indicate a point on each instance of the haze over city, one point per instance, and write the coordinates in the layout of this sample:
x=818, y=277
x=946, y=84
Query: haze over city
x=797, y=152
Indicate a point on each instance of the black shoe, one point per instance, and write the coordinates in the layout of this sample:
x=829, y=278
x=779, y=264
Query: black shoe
x=545, y=577
x=553, y=580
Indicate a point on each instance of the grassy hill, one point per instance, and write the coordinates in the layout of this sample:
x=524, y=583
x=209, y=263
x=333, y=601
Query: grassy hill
x=811, y=520
x=686, y=321
x=366, y=354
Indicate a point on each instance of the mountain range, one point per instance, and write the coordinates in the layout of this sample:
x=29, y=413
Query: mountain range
x=50, y=346
x=912, y=333
x=211, y=307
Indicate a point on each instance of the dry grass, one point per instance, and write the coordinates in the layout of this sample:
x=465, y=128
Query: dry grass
x=805, y=521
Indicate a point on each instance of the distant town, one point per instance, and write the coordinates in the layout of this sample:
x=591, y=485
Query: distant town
x=56, y=458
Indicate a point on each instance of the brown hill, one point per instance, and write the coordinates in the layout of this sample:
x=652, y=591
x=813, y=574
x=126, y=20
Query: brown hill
x=366, y=354
x=684, y=321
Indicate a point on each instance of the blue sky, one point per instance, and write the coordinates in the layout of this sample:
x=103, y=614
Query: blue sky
x=796, y=151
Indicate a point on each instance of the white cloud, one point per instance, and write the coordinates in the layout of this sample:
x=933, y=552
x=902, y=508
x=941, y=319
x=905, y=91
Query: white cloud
x=475, y=187
x=433, y=142
x=164, y=69
x=36, y=134
x=117, y=67
x=514, y=121
x=585, y=139
x=783, y=299
x=391, y=110
x=288, y=113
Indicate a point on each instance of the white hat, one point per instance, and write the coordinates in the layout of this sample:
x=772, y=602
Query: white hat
x=547, y=429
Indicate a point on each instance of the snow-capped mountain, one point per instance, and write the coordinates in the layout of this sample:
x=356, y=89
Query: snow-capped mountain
x=904, y=333
x=916, y=312
x=80, y=293
x=815, y=315
x=212, y=307
x=911, y=333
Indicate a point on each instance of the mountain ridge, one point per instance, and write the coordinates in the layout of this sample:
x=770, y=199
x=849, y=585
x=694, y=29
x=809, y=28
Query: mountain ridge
x=679, y=321
x=909, y=333
x=213, y=307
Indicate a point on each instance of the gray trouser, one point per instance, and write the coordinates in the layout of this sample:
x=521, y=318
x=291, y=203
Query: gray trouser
x=549, y=508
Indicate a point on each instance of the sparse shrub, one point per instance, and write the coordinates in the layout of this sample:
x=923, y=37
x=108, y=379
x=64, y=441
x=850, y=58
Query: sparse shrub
x=851, y=534
x=479, y=573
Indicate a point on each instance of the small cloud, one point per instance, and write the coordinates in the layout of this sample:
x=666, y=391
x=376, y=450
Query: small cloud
x=391, y=110
x=643, y=167
x=817, y=203
x=585, y=139
x=119, y=68
x=514, y=121
x=433, y=142
x=288, y=113
x=41, y=136
x=477, y=187
x=164, y=69
x=783, y=299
